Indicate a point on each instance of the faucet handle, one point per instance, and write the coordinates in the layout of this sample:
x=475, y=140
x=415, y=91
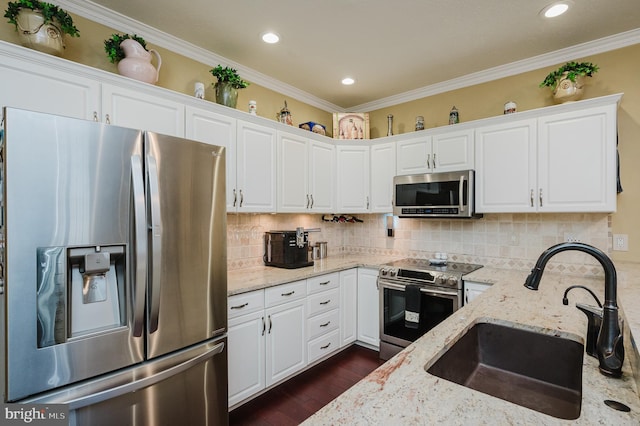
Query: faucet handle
x=594, y=321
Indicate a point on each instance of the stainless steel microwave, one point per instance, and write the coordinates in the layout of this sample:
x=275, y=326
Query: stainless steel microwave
x=444, y=195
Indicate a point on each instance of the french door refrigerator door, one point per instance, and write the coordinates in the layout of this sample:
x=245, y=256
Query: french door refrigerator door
x=68, y=302
x=187, y=294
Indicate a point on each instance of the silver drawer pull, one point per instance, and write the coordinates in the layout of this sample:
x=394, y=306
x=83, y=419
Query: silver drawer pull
x=288, y=294
x=325, y=346
x=240, y=306
x=324, y=303
x=325, y=282
x=325, y=324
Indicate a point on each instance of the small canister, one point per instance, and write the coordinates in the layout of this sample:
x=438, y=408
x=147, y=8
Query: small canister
x=322, y=249
x=454, y=117
x=253, y=106
x=510, y=107
x=419, y=123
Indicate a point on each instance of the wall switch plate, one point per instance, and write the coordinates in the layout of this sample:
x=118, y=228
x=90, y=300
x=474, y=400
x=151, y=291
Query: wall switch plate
x=572, y=237
x=621, y=242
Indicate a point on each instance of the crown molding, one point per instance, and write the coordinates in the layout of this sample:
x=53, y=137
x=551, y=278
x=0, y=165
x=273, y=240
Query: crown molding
x=602, y=45
x=122, y=23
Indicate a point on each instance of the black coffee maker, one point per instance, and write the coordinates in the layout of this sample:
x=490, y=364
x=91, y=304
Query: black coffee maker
x=287, y=249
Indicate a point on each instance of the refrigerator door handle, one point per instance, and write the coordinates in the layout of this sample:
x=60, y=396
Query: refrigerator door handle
x=140, y=233
x=155, y=226
x=137, y=385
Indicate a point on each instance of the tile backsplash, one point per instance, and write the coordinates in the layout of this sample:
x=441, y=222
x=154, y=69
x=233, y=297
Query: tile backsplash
x=503, y=240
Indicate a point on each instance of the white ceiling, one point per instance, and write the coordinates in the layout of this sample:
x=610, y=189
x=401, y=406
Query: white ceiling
x=388, y=47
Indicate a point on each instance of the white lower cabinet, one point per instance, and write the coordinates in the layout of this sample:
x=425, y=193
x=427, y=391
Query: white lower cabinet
x=348, y=306
x=323, y=315
x=473, y=289
x=267, y=338
x=368, y=307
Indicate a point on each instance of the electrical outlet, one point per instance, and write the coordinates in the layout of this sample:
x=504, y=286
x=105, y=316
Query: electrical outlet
x=572, y=237
x=621, y=242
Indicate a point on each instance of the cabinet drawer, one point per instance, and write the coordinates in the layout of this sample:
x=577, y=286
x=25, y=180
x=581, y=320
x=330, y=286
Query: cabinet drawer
x=323, y=346
x=241, y=304
x=323, y=323
x=285, y=293
x=323, y=282
x=323, y=302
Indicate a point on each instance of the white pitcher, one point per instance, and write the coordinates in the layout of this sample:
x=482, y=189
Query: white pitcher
x=137, y=62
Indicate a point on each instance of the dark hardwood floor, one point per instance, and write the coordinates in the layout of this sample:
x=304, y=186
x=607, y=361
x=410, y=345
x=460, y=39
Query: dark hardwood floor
x=298, y=398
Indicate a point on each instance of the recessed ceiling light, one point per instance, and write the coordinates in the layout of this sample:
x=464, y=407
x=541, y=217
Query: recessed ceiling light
x=555, y=9
x=270, y=38
x=348, y=81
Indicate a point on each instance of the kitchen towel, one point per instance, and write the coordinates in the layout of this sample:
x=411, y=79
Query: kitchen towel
x=412, y=306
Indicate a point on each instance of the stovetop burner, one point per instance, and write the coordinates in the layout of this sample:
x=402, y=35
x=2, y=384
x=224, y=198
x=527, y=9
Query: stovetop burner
x=452, y=268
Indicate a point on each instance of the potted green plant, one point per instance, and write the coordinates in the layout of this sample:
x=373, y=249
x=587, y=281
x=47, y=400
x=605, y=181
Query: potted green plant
x=41, y=25
x=114, y=50
x=566, y=82
x=227, y=85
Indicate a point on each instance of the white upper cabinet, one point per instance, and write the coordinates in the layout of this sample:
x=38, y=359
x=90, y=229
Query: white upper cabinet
x=564, y=160
x=383, y=169
x=39, y=87
x=256, y=169
x=440, y=152
x=506, y=167
x=353, y=179
x=577, y=161
x=306, y=175
x=139, y=109
x=216, y=129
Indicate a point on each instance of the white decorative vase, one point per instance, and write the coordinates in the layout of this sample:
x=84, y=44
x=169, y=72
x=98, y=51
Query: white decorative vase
x=35, y=34
x=567, y=90
x=137, y=62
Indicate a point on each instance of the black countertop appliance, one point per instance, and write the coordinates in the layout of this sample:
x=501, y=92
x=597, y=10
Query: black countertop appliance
x=287, y=249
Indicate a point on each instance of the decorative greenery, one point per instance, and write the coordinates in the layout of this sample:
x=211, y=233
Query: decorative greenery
x=573, y=69
x=49, y=11
x=228, y=75
x=113, y=49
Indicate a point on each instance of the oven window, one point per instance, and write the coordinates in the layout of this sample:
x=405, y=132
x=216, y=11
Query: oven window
x=433, y=310
x=430, y=194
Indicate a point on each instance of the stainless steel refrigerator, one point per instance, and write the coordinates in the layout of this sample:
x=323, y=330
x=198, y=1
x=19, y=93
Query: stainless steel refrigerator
x=114, y=272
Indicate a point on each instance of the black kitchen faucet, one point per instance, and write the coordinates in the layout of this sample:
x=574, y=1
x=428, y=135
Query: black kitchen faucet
x=609, y=346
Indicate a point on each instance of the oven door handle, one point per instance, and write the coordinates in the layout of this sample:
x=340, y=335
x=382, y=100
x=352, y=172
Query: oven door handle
x=386, y=284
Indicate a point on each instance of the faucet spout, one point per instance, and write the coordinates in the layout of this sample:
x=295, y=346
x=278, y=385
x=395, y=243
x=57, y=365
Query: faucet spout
x=610, y=347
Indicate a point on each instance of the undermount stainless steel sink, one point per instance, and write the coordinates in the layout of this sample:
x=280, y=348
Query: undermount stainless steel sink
x=533, y=370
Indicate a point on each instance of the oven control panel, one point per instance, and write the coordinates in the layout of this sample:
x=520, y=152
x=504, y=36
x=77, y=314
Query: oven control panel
x=420, y=277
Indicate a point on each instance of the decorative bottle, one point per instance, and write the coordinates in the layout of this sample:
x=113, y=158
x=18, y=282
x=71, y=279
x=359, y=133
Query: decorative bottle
x=390, y=125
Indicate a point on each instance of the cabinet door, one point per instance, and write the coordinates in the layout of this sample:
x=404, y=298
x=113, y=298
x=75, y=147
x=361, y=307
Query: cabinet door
x=138, y=109
x=286, y=340
x=348, y=306
x=39, y=88
x=256, y=168
x=383, y=169
x=506, y=167
x=413, y=156
x=209, y=127
x=322, y=177
x=246, y=356
x=293, y=173
x=473, y=289
x=368, y=307
x=452, y=151
x=577, y=161
x=353, y=179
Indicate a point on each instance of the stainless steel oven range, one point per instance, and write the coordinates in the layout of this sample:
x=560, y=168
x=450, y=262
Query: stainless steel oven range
x=415, y=296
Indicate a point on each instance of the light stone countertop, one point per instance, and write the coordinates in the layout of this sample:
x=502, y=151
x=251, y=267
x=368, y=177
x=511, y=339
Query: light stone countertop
x=400, y=392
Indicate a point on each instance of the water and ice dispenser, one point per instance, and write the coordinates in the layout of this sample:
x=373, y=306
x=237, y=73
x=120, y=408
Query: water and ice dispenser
x=81, y=291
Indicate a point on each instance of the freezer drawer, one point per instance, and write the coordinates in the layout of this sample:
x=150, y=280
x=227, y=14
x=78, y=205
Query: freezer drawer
x=186, y=388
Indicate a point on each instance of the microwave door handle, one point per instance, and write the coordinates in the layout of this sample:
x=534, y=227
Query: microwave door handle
x=461, y=193
x=140, y=241
x=155, y=227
